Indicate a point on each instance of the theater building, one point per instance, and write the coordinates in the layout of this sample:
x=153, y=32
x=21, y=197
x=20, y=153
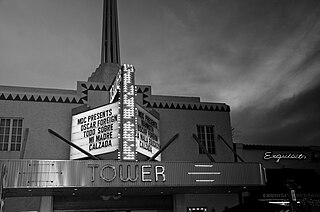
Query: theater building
x=111, y=145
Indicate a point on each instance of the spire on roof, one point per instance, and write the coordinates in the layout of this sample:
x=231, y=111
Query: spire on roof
x=110, y=49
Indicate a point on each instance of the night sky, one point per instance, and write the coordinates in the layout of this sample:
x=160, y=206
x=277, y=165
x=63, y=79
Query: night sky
x=261, y=57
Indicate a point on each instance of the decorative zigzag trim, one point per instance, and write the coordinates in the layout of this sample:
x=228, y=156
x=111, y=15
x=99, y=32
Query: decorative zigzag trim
x=41, y=98
x=179, y=106
x=145, y=91
x=188, y=106
x=86, y=86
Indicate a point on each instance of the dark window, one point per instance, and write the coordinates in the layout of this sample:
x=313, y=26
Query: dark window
x=10, y=134
x=206, y=137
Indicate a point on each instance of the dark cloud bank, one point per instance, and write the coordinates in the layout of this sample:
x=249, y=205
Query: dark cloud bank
x=295, y=121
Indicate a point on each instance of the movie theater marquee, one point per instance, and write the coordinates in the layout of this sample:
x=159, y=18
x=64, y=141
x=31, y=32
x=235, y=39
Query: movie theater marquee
x=96, y=131
x=147, y=133
x=121, y=125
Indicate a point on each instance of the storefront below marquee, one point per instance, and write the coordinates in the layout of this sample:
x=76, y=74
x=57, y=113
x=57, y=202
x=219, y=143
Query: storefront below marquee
x=46, y=185
x=81, y=202
x=137, y=203
x=292, y=174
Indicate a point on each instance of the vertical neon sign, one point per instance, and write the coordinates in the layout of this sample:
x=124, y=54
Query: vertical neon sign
x=128, y=120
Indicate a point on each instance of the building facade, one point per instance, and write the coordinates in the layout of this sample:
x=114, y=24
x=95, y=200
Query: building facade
x=111, y=145
x=27, y=114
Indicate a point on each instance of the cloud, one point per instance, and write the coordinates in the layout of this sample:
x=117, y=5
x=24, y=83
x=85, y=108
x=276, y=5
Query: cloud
x=238, y=52
x=48, y=44
x=295, y=121
x=262, y=59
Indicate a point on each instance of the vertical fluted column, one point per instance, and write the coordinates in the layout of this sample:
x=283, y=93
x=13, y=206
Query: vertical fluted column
x=110, y=49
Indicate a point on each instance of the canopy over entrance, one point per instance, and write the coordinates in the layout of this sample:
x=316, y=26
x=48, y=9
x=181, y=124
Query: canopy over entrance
x=52, y=176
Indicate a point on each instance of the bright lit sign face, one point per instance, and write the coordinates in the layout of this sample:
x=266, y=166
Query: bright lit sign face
x=96, y=131
x=286, y=156
x=147, y=133
x=128, y=118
